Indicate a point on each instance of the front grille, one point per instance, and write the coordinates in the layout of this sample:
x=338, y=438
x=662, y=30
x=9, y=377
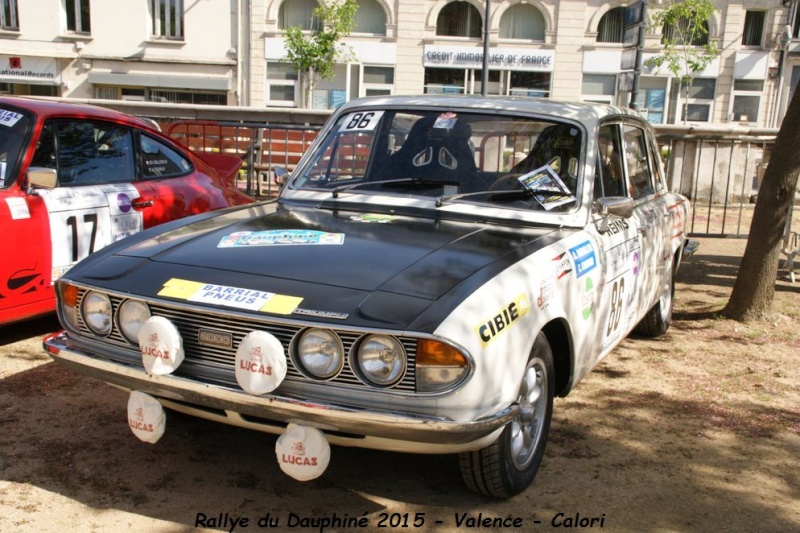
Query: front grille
x=216, y=364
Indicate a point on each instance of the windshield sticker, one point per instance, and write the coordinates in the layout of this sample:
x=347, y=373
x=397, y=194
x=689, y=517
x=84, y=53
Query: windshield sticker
x=507, y=317
x=553, y=191
x=18, y=208
x=9, y=118
x=446, y=121
x=373, y=218
x=584, y=258
x=280, y=237
x=265, y=302
x=361, y=121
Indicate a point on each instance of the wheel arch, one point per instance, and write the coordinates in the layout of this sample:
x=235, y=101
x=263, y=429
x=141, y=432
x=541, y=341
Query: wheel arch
x=559, y=335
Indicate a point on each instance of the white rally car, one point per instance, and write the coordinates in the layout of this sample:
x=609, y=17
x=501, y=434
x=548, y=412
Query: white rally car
x=434, y=272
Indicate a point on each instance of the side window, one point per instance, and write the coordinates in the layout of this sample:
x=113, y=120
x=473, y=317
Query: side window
x=161, y=161
x=91, y=153
x=636, y=159
x=45, y=154
x=656, y=164
x=610, y=178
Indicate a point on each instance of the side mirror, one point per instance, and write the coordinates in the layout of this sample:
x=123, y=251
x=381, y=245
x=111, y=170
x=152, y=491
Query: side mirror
x=615, y=206
x=281, y=176
x=42, y=178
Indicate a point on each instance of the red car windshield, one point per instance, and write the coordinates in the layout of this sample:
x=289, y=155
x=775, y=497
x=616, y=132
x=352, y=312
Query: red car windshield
x=14, y=129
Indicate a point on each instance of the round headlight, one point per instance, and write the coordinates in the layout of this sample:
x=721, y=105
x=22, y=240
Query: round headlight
x=381, y=360
x=131, y=315
x=320, y=353
x=96, y=311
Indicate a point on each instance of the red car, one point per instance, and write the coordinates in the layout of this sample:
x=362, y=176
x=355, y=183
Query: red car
x=75, y=178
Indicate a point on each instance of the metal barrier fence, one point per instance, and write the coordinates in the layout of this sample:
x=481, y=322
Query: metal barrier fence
x=260, y=146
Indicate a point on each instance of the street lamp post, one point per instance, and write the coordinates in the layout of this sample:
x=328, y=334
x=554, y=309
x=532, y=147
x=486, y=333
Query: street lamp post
x=485, y=66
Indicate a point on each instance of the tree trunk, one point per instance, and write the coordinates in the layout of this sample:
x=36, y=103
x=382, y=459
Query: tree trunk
x=754, y=289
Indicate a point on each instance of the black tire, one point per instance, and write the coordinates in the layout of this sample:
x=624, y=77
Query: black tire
x=508, y=465
x=658, y=319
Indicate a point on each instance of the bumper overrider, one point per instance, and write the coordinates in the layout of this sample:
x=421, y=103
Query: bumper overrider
x=364, y=427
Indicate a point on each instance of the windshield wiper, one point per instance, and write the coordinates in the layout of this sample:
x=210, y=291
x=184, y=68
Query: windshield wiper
x=492, y=196
x=416, y=182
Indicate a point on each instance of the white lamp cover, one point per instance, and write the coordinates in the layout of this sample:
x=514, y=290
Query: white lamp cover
x=303, y=452
x=146, y=417
x=161, y=346
x=260, y=363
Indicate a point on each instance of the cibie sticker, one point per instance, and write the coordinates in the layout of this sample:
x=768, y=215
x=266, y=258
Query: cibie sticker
x=303, y=452
x=361, y=121
x=504, y=319
x=146, y=417
x=280, y=237
x=260, y=363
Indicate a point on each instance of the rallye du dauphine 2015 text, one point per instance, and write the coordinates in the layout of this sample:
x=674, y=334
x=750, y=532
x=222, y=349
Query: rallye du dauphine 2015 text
x=391, y=520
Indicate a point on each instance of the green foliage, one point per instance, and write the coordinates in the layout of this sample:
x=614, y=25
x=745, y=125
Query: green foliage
x=687, y=49
x=315, y=54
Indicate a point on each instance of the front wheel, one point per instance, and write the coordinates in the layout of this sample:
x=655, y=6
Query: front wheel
x=508, y=465
x=658, y=319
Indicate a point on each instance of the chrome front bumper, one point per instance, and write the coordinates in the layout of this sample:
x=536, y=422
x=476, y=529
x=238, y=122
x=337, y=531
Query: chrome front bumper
x=358, y=422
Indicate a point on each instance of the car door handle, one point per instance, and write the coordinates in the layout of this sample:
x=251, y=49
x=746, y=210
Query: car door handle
x=141, y=204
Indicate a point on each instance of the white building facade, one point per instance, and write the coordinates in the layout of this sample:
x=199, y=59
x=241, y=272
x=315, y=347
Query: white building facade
x=230, y=52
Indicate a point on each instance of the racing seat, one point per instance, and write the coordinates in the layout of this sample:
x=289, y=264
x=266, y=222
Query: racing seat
x=558, y=146
x=436, y=153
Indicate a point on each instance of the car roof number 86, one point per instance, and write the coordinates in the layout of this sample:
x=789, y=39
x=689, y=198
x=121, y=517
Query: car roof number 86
x=361, y=121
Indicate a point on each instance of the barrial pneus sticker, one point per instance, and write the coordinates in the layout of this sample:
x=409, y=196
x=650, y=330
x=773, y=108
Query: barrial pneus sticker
x=146, y=417
x=303, y=452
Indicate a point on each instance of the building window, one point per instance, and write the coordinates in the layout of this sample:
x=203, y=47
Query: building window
x=444, y=80
x=599, y=88
x=535, y=84
x=164, y=95
x=294, y=13
x=459, y=19
x=678, y=33
x=167, y=19
x=281, y=84
x=522, y=21
x=370, y=18
x=77, y=12
x=746, y=100
x=700, y=100
x=8, y=16
x=753, y=28
x=378, y=81
x=611, y=28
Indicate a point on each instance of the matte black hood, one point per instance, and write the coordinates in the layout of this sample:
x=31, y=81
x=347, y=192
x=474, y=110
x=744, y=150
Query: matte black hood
x=415, y=260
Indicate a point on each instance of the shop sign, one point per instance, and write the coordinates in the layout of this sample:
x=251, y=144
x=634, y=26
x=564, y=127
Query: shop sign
x=499, y=58
x=26, y=69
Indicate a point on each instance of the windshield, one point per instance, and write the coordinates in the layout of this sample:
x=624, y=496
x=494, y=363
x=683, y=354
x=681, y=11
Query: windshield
x=14, y=127
x=452, y=156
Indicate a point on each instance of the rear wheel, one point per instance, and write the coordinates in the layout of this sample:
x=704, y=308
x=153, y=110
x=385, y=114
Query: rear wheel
x=658, y=319
x=508, y=465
